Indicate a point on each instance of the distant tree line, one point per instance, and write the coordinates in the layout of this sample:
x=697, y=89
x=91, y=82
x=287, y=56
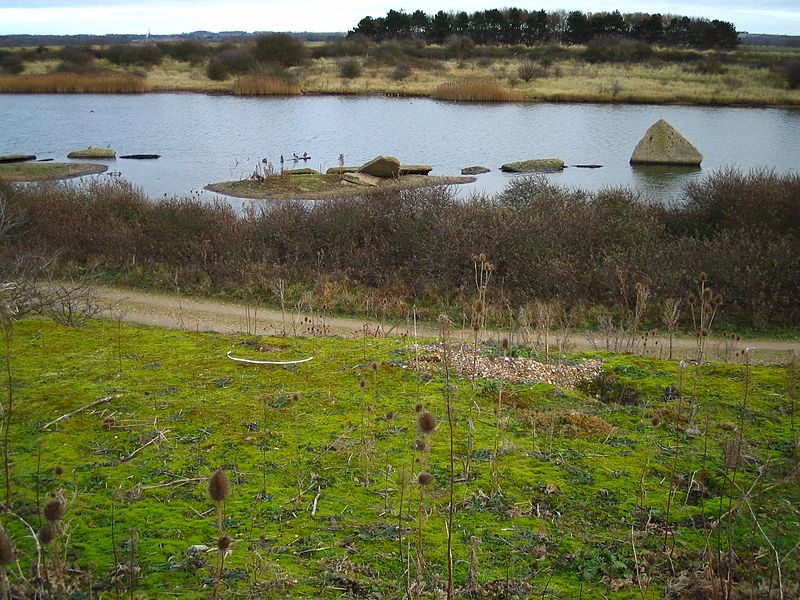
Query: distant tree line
x=519, y=26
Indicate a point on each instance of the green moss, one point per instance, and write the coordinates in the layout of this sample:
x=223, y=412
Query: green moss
x=316, y=479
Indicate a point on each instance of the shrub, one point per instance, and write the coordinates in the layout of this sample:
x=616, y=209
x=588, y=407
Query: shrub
x=401, y=70
x=349, y=68
x=530, y=70
x=191, y=51
x=133, y=54
x=11, y=62
x=791, y=71
x=459, y=46
x=616, y=49
x=280, y=48
x=231, y=61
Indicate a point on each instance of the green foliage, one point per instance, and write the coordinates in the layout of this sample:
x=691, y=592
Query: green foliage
x=144, y=55
x=280, y=48
x=11, y=62
x=791, y=71
x=230, y=61
x=350, y=68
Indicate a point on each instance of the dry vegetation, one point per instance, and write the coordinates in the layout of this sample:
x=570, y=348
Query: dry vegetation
x=72, y=83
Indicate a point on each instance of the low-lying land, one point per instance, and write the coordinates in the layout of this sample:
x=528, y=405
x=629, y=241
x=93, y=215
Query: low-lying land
x=30, y=171
x=653, y=479
x=319, y=186
x=606, y=70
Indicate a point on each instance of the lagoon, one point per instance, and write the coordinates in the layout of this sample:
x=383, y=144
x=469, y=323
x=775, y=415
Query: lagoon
x=209, y=138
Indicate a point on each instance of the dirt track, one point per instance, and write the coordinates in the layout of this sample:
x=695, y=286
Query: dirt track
x=180, y=312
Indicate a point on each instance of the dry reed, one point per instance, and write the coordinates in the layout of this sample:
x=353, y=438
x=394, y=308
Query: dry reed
x=474, y=90
x=72, y=83
x=264, y=85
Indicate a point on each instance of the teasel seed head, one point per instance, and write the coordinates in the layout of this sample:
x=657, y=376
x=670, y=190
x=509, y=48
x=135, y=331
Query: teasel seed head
x=691, y=299
x=707, y=294
x=709, y=309
x=718, y=299
x=46, y=534
x=6, y=549
x=480, y=306
x=374, y=366
x=425, y=479
x=656, y=421
x=482, y=257
x=703, y=276
x=476, y=325
x=420, y=446
x=54, y=510
x=362, y=383
x=218, y=487
x=59, y=471
x=426, y=422
x=418, y=407
x=223, y=542
x=390, y=415
x=504, y=343
x=296, y=397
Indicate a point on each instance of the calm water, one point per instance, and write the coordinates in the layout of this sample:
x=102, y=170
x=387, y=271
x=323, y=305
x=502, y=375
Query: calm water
x=205, y=138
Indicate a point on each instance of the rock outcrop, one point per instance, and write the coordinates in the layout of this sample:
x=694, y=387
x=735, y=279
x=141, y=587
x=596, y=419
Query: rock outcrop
x=663, y=145
x=93, y=153
x=474, y=170
x=381, y=166
x=361, y=179
x=415, y=169
x=538, y=164
x=341, y=170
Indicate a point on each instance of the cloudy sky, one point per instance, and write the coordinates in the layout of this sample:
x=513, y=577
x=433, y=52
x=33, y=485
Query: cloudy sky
x=178, y=16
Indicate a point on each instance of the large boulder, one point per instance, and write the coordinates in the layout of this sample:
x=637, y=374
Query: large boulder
x=381, y=166
x=663, y=145
x=538, y=164
x=415, y=169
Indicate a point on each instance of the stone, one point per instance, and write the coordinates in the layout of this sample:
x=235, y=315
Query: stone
x=663, y=145
x=341, y=170
x=306, y=171
x=474, y=170
x=141, y=156
x=93, y=153
x=381, y=166
x=361, y=179
x=538, y=164
x=415, y=169
x=15, y=158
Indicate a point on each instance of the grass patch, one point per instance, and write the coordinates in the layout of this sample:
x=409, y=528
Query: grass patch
x=264, y=85
x=47, y=171
x=71, y=83
x=474, y=91
x=574, y=497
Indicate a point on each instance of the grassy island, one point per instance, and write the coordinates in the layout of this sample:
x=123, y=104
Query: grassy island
x=31, y=171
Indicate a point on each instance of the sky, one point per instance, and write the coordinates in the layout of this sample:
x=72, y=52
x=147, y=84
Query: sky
x=70, y=17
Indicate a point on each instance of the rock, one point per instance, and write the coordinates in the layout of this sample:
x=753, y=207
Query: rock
x=361, y=179
x=538, y=164
x=93, y=153
x=415, y=169
x=341, y=170
x=474, y=170
x=15, y=158
x=306, y=171
x=588, y=166
x=663, y=145
x=381, y=166
x=141, y=156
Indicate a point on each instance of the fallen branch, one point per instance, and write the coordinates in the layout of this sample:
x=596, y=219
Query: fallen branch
x=83, y=408
x=269, y=362
x=171, y=483
x=160, y=436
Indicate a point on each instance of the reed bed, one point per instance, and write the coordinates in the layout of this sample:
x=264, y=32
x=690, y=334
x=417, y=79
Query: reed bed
x=474, y=90
x=72, y=83
x=264, y=85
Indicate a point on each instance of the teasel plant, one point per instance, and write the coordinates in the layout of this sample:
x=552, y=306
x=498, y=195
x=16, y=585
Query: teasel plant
x=219, y=490
x=703, y=307
x=426, y=424
x=444, y=328
x=670, y=316
x=52, y=537
x=6, y=558
x=498, y=413
x=7, y=318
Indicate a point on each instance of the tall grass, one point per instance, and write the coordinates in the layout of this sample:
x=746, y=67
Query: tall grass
x=264, y=85
x=72, y=83
x=474, y=90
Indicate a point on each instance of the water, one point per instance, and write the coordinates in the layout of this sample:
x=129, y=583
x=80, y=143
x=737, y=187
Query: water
x=208, y=138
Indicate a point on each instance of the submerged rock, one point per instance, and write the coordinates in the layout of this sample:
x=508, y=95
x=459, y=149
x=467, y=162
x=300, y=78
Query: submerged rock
x=474, y=170
x=538, y=164
x=381, y=166
x=663, y=145
x=141, y=156
x=93, y=153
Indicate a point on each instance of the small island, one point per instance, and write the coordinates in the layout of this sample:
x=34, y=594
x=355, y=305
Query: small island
x=31, y=171
x=381, y=173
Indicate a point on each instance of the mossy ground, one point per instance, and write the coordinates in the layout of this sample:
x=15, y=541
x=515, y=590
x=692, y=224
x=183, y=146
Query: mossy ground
x=30, y=171
x=577, y=482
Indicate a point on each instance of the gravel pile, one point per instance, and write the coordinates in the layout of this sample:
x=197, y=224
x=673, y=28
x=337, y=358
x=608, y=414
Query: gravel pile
x=471, y=360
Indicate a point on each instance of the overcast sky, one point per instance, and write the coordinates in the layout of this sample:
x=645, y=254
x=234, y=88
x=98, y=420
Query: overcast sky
x=181, y=16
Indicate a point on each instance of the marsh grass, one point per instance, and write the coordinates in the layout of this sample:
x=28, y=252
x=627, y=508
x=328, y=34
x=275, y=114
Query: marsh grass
x=474, y=90
x=264, y=85
x=71, y=83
